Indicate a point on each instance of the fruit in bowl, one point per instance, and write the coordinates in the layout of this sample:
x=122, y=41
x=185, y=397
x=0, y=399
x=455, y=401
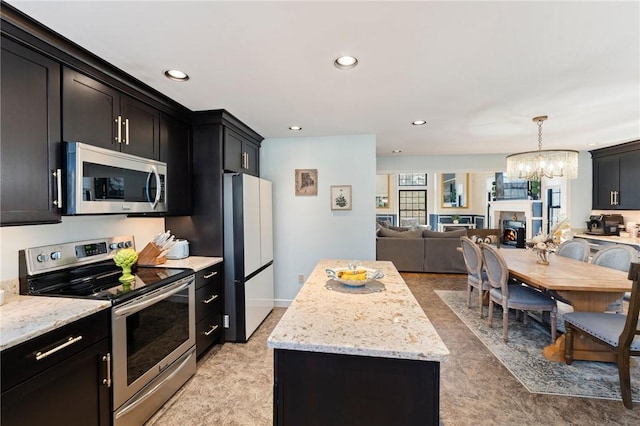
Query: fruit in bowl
x=354, y=277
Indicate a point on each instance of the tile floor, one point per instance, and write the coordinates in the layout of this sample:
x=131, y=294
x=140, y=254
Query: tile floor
x=233, y=385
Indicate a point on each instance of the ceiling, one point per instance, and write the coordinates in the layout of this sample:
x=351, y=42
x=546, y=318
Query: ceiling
x=477, y=71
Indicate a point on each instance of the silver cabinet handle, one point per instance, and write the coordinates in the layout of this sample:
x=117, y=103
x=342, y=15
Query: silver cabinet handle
x=69, y=342
x=611, y=198
x=615, y=198
x=126, y=131
x=211, y=299
x=107, y=359
x=210, y=275
x=58, y=201
x=119, y=129
x=213, y=328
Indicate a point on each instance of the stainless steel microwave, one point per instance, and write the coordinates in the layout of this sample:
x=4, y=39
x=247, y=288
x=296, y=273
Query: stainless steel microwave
x=102, y=181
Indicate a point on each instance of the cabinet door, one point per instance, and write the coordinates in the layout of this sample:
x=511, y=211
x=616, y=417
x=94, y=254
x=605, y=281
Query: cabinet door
x=629, y=194
x=140, y=128
x=232, y=151
x=89, y=111
x=70, y=393
x=252, y=161
x=30, y=136
x=175, y=150
x=605, y=180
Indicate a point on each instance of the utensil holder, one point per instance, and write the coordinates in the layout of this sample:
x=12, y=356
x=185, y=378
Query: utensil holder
x=149, y=256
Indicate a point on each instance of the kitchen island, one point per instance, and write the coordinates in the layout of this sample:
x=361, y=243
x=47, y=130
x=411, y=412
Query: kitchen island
x=356, y=356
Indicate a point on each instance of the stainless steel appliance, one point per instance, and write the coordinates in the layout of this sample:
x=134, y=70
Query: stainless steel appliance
x=604, y=224
x=248, y=254
x=100, y=181
x=152, y=319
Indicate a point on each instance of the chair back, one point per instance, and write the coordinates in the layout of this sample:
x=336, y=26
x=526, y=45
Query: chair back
x=472, y=256
x=616, y=257
x=496, y=267
x=631, y=325
x=577, y=249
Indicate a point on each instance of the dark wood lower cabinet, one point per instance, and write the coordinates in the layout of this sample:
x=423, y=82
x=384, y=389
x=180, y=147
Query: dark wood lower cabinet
x=312, y=388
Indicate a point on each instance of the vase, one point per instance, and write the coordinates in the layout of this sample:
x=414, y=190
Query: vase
x=542, y=257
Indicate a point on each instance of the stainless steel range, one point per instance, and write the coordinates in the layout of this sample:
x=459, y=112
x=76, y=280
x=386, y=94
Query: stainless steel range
x=152, y=320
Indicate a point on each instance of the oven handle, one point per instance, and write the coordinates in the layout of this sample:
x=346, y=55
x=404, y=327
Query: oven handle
x=154, y=389
x=154, y=172
x=165, y=293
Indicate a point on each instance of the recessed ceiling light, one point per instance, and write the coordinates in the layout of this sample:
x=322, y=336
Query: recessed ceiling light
x=419, y=122
x=396, y=151
x=176, y=75
x=345, y=62
x=295, y=128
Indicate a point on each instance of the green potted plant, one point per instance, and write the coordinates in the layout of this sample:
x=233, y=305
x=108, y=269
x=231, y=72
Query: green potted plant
x=455, y=218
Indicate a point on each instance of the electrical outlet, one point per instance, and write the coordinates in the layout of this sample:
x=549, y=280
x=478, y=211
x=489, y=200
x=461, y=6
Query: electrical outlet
x=301, y=278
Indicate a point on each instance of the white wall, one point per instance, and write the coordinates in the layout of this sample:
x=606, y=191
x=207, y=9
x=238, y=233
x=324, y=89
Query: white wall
x=305, y=228
x=72, y=228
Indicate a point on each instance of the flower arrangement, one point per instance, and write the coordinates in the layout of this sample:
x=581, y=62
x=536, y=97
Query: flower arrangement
x=543, y=244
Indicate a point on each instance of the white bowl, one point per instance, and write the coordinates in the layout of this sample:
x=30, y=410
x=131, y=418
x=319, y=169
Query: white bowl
x=372, y=274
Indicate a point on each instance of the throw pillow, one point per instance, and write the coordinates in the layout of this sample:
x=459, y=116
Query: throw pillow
x=448, y=234
x=384, y=223
x=384, y=232
x=399, y=228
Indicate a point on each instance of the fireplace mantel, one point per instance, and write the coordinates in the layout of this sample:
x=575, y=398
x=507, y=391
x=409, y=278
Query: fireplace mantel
x=532, y=210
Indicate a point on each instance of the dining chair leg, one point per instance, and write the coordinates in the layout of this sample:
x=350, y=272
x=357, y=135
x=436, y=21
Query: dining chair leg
x=480, y=294
x=490, y=314
x=625, y=379
x=554, y=325
x=568, y=344
x=469, y=288
x=525, y=314
x=505, y=323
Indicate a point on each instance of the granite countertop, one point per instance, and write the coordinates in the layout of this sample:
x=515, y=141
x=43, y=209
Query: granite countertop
x=612, y=239
x=25, y=317
x=388, y=324
x=197, y=263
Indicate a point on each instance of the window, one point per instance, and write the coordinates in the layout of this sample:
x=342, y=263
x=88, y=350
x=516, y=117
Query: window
x=413, y=205
x=412, y=179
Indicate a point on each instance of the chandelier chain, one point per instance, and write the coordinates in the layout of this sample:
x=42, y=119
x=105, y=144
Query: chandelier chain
x=540, y=135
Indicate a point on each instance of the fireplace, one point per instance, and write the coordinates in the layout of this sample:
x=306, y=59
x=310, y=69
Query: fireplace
x=513, y=233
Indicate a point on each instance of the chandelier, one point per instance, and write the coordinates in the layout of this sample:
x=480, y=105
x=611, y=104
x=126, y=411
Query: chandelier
x=549, y=163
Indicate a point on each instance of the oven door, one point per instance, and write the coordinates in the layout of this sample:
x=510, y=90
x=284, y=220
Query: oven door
x=149, y=334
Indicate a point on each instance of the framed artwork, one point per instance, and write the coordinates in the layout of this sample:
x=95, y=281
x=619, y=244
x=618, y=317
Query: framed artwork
x=341, y=197
x=306, y=181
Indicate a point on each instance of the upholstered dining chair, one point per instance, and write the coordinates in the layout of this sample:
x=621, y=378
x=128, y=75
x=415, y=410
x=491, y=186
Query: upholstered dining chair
x=619, y=333
x=616, y=257
x=577, y=249
x=477, y=277
x=513, y=296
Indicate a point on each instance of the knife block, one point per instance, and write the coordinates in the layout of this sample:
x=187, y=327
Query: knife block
x=149, y=256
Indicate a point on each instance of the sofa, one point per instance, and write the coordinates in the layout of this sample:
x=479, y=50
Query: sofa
x=426, y=250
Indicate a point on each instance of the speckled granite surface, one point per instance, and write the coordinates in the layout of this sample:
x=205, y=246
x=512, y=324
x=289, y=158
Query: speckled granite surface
x=25, y=317
x=196, y=263
x=388, y=323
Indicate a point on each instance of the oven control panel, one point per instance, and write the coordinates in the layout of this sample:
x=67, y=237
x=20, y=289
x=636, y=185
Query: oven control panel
x=58, y=256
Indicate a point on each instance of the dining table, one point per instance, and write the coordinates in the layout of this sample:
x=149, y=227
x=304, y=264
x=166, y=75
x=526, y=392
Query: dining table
x=585, y=286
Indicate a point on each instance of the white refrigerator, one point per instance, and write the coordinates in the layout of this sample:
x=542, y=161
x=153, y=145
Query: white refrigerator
x=248, y=254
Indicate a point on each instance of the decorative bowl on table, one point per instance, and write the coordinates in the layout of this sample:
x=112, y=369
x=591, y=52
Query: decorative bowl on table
x=357, y=277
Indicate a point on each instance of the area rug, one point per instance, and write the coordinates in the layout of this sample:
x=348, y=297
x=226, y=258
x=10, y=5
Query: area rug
x=522, y=356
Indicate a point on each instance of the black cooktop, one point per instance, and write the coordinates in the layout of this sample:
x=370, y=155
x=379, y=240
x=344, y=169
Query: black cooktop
x=100, y=281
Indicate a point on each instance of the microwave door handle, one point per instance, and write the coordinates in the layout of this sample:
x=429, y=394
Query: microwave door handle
x=154, y=172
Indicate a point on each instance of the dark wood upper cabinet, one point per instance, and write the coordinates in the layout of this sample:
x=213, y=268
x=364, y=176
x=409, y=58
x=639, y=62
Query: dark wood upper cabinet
x=616, y=173
x=30, y=136
x=241, y=153
x=100, y=115
x=175, y=150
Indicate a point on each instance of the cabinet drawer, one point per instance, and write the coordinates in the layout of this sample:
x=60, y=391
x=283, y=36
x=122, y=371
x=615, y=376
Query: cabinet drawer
x=208, y=331
x=208, y=275
x=208, y=299
x=20, y=362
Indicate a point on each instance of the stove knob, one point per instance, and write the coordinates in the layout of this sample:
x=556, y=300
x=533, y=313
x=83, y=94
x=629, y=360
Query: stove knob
x=120, y=245
x=56, y=255
x=41, y=258
x=127, y=244
x=113, y=246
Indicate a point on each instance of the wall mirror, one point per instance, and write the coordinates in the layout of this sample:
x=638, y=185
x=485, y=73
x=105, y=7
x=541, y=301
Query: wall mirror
x=455, y=190
x=382, y=191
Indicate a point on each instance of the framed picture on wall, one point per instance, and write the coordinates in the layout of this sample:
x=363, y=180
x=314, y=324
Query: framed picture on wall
x=341, y=197
x=306, y=181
